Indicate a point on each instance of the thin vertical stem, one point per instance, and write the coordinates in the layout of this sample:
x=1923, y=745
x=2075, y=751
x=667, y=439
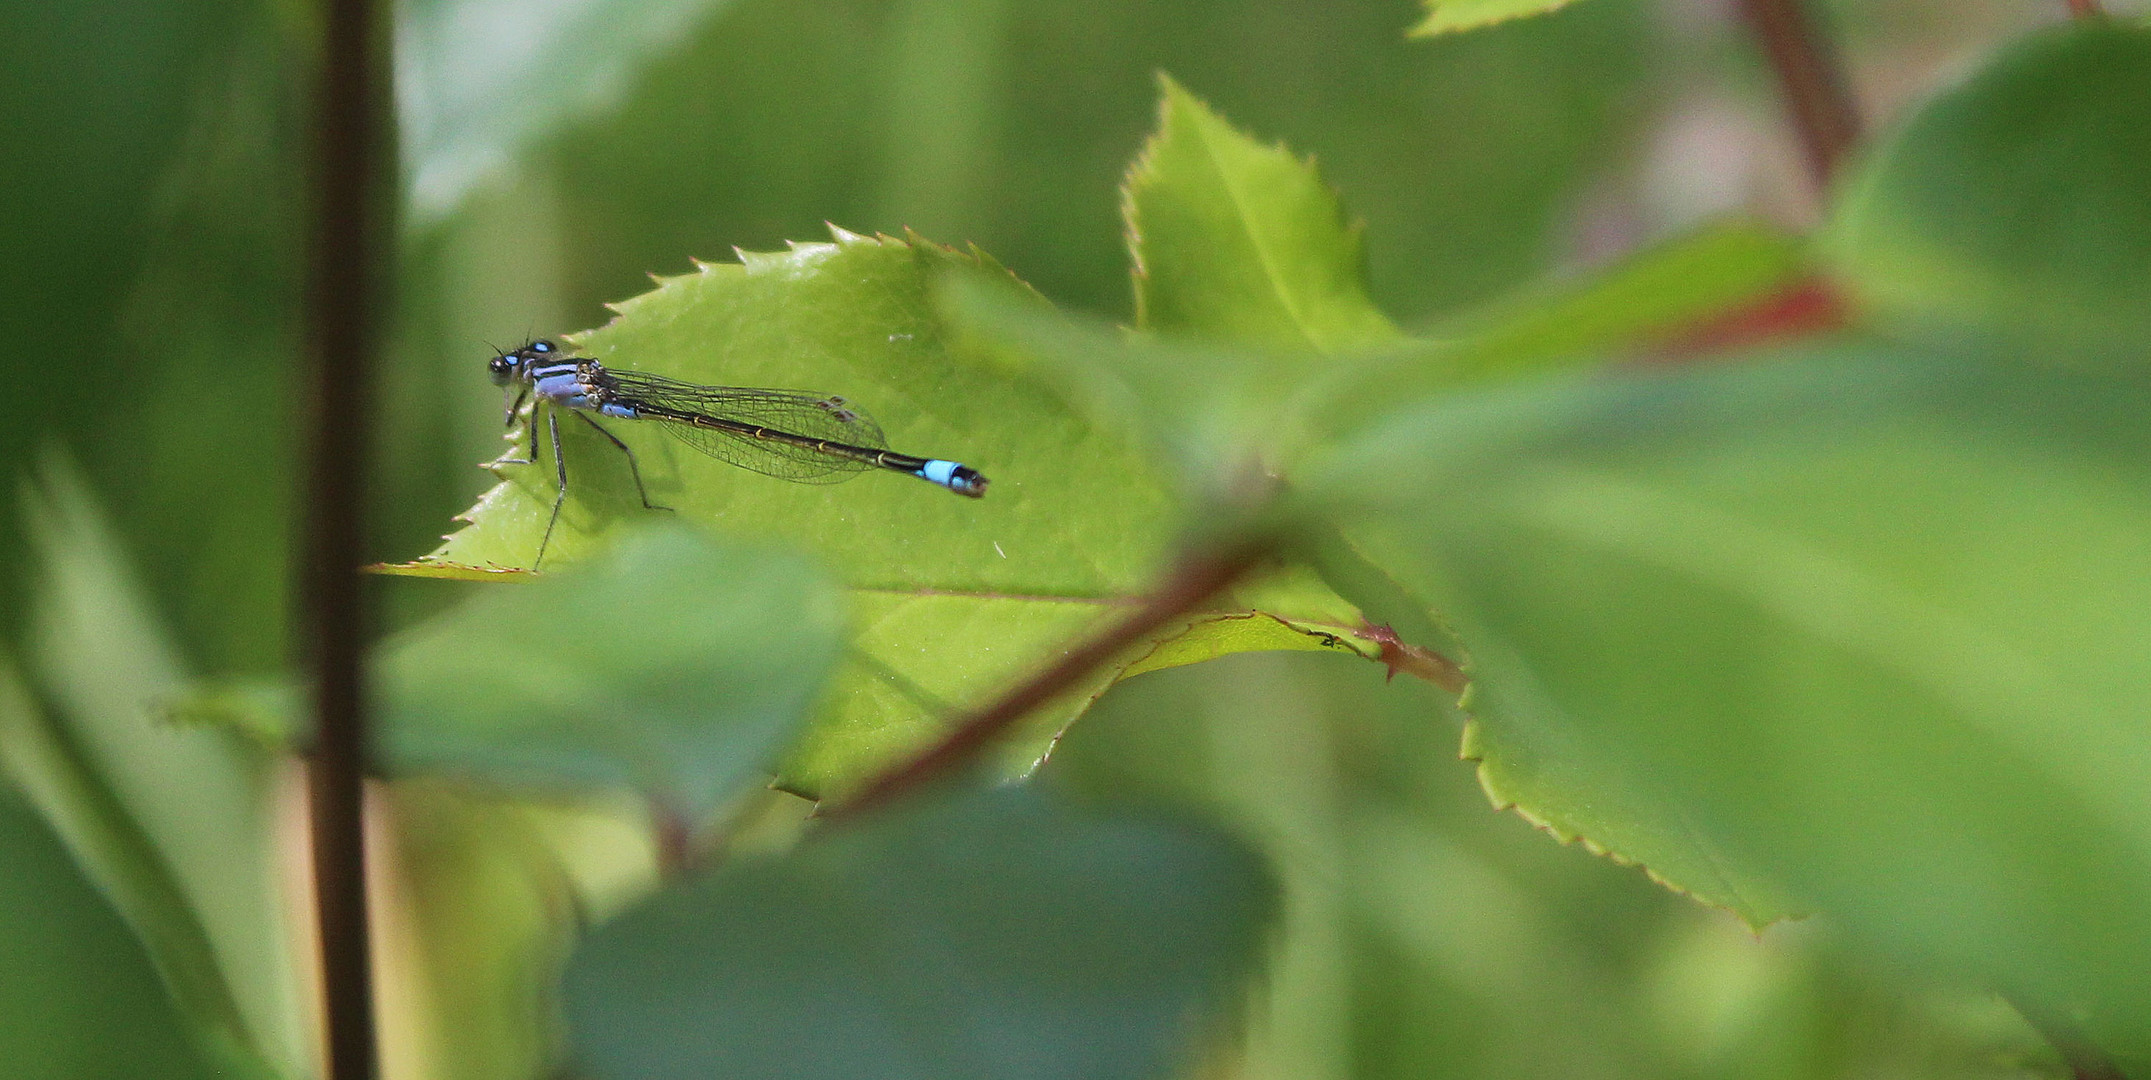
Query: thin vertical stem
x=341, y=317
x=1813, y=85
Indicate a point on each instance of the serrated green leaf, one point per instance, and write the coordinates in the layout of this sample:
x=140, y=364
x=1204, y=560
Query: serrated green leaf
x=179, y=823
x=1868, y=621
x=958, y=597
x=1239, y=241
x=849, y=317
x=1549, y=778
x=1449, y=16
x=2018, y=205
x=675, y=667
x=992, y=934
x=1561, y=790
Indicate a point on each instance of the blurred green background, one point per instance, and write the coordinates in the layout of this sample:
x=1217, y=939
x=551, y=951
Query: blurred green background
x=150, y=260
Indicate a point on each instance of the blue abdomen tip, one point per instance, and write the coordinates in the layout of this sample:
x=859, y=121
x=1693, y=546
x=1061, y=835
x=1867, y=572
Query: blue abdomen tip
x=959, y=478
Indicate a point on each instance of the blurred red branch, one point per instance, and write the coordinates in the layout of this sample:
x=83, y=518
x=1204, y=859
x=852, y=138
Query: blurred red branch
x=2085, y=9
x=1194, y=581
x=1811, y=81
x=1808, y=306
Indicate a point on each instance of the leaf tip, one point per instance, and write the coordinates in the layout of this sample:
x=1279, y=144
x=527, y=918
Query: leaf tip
x=1454, y=16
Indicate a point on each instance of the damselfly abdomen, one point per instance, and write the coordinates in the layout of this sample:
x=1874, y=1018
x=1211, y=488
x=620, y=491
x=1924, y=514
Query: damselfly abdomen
x=804, y=438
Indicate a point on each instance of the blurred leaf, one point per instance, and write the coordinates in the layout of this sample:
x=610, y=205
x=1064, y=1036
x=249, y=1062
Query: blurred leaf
x=77, y=997
x=478, y=80
x=113, y=851
x=1423, y=936
x=106, y=106
x=1203, y=407
x=1644, y=300
x=471, y=955
x=991, y=934
x=2017, y=205
x=1239, y=241
x=177, y=822
x=1869, y=621
x=1073, y=524
x=1575, y=798
x=1202, y=404
x=1448, y=16
x=676, y=667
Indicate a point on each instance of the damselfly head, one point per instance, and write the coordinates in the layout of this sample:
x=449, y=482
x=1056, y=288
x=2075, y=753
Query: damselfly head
x=507, y=365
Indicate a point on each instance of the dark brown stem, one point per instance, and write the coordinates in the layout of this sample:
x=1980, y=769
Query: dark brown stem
x=1195, y=581
x=1809, y=77
x=675, y=840
x=2085, y=1060
x=352, y=100
x=2085, y=9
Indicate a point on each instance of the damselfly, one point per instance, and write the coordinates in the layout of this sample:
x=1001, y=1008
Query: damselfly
x=805, y=438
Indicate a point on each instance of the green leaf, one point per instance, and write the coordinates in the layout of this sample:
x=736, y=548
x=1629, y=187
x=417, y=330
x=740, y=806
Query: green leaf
x=1205, y=406
x=472, y=92
x=1563, y=789
x=2018, y=205
x=675, y=667
x=1235, y=240
x=1644, y=300
x=992, y=934
x=1868, y=622
x=114, y=853
x=1448, y=16
x=957, y=598
x=178, y=824
x=77, y=996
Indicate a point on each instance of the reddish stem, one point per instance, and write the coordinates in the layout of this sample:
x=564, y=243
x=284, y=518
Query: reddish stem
x=675, y=840
x=1813, y=85
x=2085, y=9
x=1195, y=581
x=1805, y=307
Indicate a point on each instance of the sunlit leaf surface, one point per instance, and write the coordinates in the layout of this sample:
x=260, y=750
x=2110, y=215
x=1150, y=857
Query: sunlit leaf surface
x=1242, y=242
x=1449, y=16
x=954, y=598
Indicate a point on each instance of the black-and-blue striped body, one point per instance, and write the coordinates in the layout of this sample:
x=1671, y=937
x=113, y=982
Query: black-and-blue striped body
x=824, y=439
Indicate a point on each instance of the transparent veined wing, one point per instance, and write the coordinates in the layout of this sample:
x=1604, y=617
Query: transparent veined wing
x=792, y=412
